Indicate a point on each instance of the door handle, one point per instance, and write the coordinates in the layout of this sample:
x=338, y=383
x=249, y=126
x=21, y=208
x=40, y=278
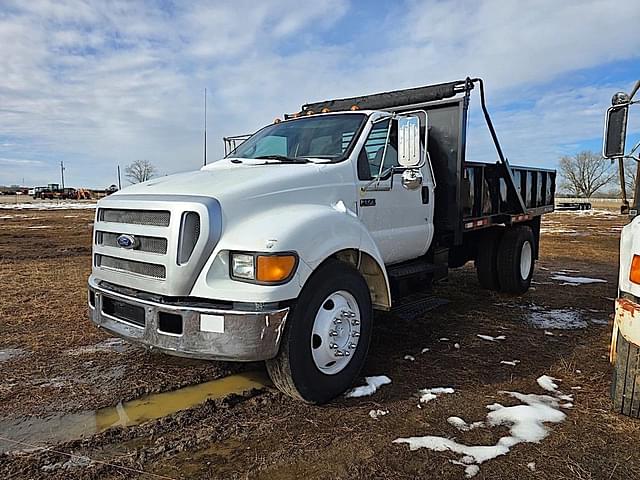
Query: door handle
x=425, y=195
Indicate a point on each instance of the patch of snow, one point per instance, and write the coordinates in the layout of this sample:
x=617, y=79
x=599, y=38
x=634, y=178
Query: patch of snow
x=513, y=363
x=526, y=424
x=456, y=345
x=490, y=338
x=547, y=332
x=531, y=466
x=411, y=358
x=561, y=318
x=6, y=217
x=576, y=280
x=49, y=206
x=576, y=388
x=9, y=353
x=548, y=383
x=373, y=384
x=463, y=426
x=424, y=350
x=377, y=413
x=35, y=227
x=444, y=339
x=566, y=405
x=428, y=394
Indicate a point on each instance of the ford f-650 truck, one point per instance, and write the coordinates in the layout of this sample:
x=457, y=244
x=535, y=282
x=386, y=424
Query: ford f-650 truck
x=625, y=340
x=282, y=250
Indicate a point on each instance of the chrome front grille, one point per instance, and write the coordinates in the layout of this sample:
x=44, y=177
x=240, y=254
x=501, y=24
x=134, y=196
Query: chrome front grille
x=131, y=266
x=158, y=218
x=170, y=239
x=145, y=244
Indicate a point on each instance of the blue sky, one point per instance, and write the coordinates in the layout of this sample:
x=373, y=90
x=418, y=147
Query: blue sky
x=98, y=83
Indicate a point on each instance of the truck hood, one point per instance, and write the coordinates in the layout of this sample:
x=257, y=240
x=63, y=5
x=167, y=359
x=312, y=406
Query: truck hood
x=225, y=180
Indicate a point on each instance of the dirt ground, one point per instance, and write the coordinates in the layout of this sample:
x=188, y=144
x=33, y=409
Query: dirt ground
x=53, y=361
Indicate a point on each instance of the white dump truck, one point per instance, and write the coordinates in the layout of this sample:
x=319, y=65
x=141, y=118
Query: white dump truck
x=282, y=250
x=625, y=340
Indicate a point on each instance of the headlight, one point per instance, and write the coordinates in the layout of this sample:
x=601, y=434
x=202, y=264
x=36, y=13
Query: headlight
x=242, y=266
x=262, y=268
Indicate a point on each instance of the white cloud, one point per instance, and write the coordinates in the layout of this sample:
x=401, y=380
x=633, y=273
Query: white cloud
x=98, y=83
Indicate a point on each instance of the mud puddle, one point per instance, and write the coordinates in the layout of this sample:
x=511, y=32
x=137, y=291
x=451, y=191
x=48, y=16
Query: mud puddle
x=56, y=428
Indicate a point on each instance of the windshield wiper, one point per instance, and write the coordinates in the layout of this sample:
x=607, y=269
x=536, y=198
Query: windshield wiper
x=284, y=159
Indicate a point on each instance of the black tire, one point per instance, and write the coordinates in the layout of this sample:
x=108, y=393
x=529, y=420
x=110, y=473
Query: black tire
x=625, y=387
x=293, y=371
x=486, y=259
x=510, y=277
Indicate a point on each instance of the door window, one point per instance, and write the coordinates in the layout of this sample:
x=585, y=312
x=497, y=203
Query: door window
x=370, y=157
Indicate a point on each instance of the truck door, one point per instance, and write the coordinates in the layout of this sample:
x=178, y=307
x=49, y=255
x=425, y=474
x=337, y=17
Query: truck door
x=399, y=219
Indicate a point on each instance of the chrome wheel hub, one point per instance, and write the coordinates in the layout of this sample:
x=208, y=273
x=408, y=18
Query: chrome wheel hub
x=526, y=257
x=336, y=332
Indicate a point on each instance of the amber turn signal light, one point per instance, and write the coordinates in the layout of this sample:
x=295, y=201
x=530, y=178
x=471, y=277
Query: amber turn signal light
x=634, y=274
x=274, y=268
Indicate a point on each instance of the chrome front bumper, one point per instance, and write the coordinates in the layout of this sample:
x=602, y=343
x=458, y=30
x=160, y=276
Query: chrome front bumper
x=205, y=333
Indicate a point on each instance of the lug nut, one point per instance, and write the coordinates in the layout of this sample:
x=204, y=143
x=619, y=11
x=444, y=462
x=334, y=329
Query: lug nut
x=355, y=322
x=347, y=353
x=339, y=353
x=333, y=333
x=337, y=321
x=355, y=334
x=352, y=345
x=333, y=346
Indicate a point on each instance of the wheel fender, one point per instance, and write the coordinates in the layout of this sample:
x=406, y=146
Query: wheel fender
x=316, y=233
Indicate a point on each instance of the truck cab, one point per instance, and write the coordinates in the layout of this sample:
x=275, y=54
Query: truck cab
x=282, y=250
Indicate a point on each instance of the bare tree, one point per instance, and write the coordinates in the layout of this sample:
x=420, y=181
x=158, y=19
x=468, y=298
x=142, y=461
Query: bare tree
x=584, y=173
x=630, y=176
x=139, y=171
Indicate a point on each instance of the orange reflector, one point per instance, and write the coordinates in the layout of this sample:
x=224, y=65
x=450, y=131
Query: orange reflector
x=274, y=268
x=325, y=110
x=354, y=107
x=634, y=274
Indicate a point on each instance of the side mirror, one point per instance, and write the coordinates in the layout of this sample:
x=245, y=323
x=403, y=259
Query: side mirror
x=615, y=131
x=409, y=141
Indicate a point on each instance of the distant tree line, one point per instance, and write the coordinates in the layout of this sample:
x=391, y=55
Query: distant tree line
x=587, y=174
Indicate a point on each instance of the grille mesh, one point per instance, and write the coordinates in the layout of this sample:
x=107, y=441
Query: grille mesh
x=159, y=218
x=141, y=268
x=146, y=244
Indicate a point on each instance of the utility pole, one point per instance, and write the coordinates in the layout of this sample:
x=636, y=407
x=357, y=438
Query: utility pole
x=119, y=184
x=205, y=125
x=62, y=172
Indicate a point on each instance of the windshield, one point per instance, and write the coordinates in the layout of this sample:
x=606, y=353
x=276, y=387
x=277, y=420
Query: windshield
x=327, y=136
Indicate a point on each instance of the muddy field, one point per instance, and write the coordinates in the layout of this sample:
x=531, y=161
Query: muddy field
x=62, y=382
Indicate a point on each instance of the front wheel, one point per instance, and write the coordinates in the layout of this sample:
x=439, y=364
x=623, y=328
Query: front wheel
x=326, y=336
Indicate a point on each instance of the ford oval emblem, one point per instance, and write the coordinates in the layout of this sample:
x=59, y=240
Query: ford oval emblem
x=127, y=241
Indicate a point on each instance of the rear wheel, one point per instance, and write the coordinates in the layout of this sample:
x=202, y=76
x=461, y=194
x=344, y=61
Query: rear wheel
x=516, y=260
x=326, y=337
x=625, y=385
x=486, y=259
